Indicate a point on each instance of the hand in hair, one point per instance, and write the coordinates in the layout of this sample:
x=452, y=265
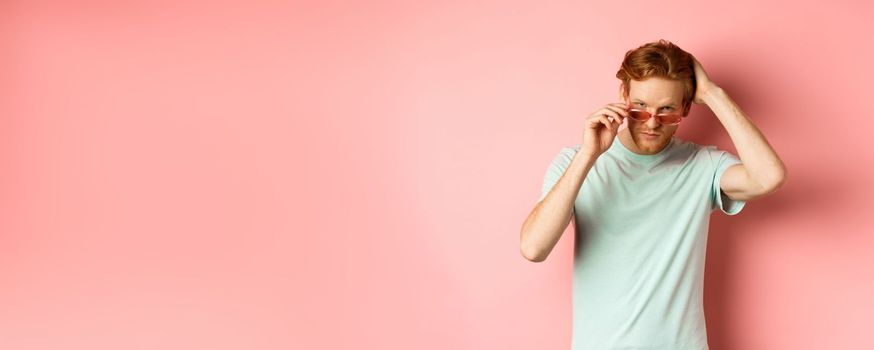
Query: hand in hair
x=703, y=83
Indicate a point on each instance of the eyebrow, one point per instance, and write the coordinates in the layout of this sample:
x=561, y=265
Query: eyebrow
x=668, y=105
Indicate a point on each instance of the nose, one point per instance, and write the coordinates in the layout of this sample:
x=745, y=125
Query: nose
x=652, y=123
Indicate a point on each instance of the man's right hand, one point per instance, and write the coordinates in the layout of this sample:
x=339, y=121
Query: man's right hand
x=602, y=127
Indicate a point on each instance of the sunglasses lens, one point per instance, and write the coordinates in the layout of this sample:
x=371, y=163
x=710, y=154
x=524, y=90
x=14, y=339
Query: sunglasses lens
x=669, y=119
x=638, y=115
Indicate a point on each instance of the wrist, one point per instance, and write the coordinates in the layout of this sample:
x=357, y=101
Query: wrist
x=711, y=93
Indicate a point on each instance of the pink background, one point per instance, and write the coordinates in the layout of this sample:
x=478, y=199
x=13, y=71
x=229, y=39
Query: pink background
x=354, y=175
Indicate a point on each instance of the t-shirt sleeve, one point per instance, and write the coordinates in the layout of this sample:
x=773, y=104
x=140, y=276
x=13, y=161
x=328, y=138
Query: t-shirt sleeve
x=556, y=169
x=722, y=160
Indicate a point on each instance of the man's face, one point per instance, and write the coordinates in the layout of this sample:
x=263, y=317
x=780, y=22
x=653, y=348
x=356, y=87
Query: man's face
x=654, y=95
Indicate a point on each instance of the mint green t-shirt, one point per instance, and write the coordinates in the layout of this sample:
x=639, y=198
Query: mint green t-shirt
x=641, y=226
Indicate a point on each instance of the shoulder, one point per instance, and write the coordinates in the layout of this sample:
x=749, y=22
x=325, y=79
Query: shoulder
x=686, y=145
x=571, y=148
x=567, y=153
x=701, y=152
x=684, y=151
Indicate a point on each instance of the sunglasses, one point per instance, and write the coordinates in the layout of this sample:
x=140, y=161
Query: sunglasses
x=663, y=118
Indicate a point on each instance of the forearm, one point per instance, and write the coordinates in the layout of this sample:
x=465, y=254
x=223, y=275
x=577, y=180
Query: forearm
x=550, y=217
x=762, y=163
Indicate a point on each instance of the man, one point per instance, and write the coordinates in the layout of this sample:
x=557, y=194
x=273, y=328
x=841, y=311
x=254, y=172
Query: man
x=641, y=206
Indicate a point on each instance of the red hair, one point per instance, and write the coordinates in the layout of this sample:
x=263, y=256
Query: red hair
x=660, y=59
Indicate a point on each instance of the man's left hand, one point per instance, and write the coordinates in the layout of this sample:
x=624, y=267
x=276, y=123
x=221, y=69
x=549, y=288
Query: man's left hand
x=702, y=82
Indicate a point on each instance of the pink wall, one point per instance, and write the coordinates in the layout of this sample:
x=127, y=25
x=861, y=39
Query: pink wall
x=353, y=175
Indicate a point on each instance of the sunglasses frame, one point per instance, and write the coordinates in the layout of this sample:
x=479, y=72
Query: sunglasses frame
x=658, y=116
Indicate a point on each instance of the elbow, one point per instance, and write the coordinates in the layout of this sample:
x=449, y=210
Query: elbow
x=775, y=182
x=532, y=252
x=529, y=250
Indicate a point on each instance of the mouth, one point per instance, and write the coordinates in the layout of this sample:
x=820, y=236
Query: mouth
x=649, y=135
